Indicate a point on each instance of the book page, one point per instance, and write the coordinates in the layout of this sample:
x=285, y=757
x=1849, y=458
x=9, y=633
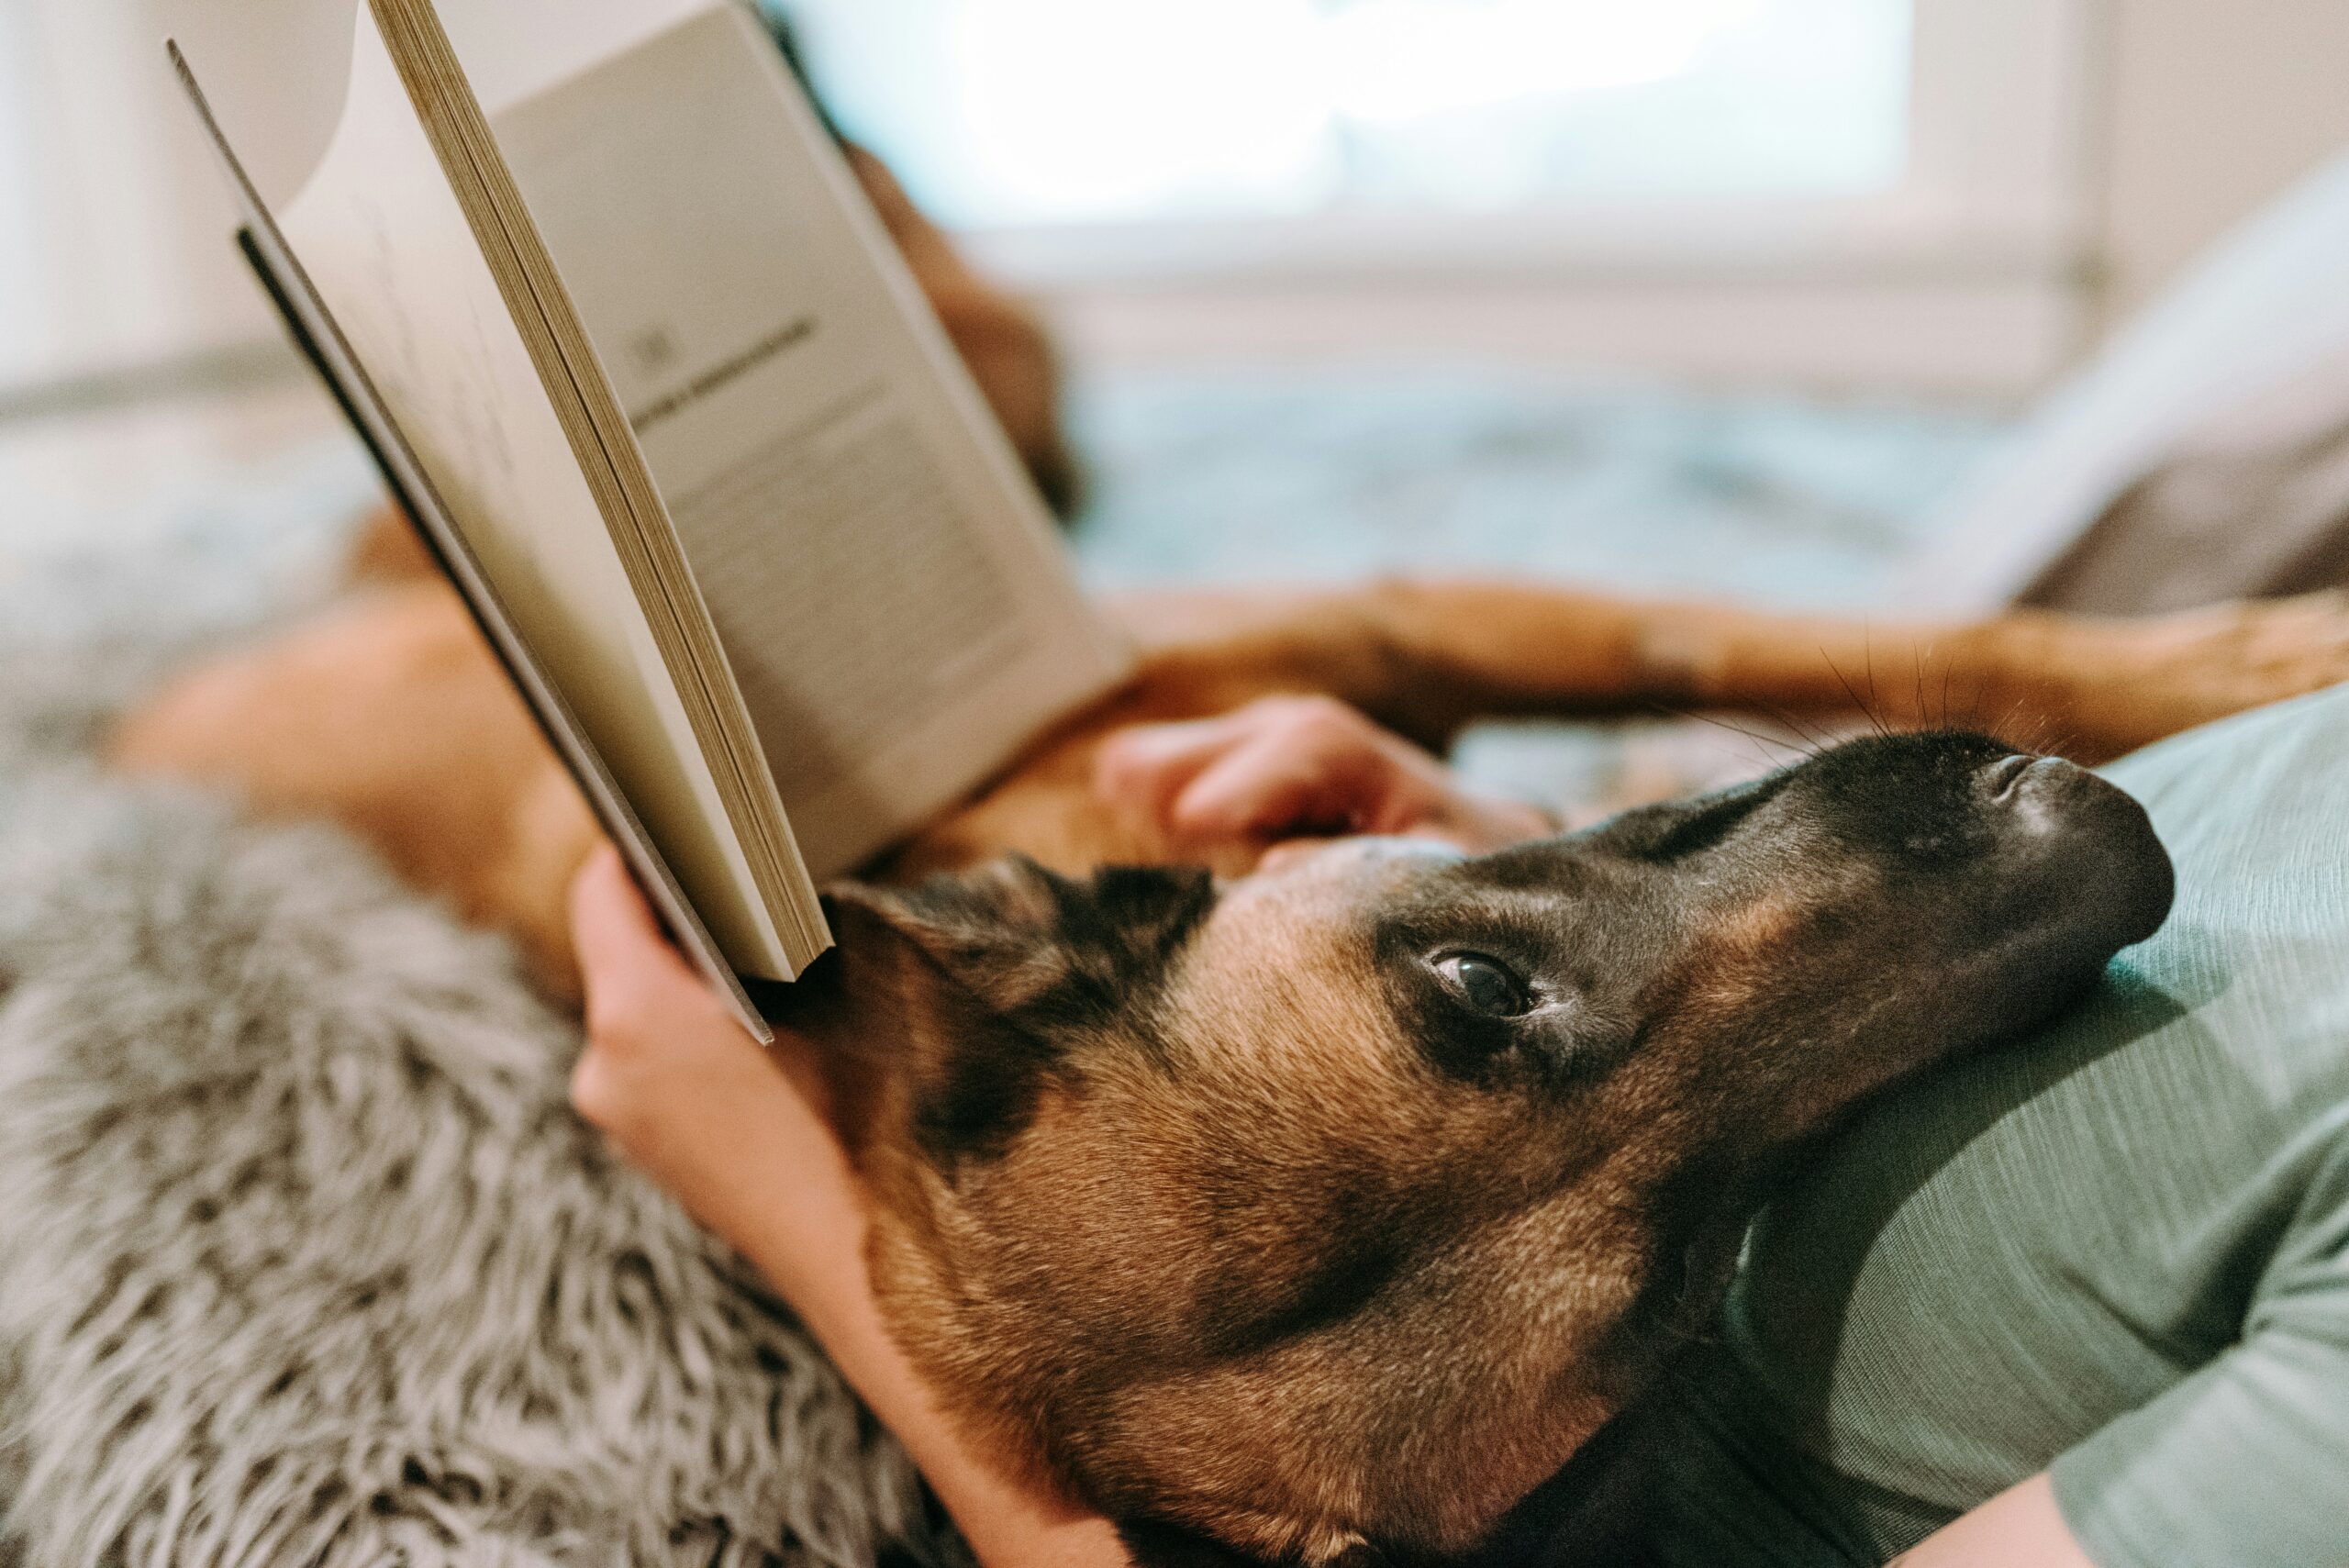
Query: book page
x=513, y=48
x=382, y=239
x=322, y=342
x=275, y=75
x=889, y=592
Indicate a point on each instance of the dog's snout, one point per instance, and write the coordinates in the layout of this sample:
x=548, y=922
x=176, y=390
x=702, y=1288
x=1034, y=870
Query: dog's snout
x=2049, y=797
x=2030, y=785
x=2060, y=825
x=1999, y=780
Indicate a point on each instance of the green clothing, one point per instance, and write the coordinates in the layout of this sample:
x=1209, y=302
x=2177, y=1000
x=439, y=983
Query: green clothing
x=2120, y=1249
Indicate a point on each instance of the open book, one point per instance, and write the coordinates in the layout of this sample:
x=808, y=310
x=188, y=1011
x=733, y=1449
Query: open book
x=607, y=305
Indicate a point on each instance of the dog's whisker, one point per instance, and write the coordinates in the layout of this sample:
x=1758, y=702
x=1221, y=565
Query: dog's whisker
x=1867, y=658
x=1974, y=702
x=2025, y=728
x=1769, y=750
x=1861, y=703
x=1767, y=747
x=1806, y=739
x=1812, y=742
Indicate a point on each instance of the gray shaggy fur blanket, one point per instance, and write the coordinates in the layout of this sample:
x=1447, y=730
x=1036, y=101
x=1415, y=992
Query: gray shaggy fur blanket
x=304, y=1259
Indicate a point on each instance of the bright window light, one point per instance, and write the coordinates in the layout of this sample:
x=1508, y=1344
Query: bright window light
x=1021, y=113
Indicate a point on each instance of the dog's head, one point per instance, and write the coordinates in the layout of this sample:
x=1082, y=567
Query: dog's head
x=1331, y=1210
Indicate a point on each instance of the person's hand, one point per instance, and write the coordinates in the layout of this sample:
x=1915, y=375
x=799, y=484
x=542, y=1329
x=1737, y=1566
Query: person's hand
x=739, y=1136
x=679, y=1088
x=1288, y=767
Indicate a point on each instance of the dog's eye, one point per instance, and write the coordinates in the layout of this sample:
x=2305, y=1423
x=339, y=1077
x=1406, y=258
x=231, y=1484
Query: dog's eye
x=1487, y=985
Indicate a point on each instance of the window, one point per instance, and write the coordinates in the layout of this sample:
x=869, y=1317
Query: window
x=1021, y=113
x=1845, y=192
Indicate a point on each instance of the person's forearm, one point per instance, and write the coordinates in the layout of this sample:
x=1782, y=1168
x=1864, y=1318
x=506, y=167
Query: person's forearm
x=790, y=1232
x=735, y=1135
x=2020, y=1528
x=1009, y=1525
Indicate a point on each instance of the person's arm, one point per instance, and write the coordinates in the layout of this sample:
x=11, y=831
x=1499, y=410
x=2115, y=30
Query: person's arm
x=739, y=1136
x=2020, y=1528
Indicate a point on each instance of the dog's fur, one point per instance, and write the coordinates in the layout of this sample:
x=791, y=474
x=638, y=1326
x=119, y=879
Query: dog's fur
x=1266, y=1228
x=1212, y=1204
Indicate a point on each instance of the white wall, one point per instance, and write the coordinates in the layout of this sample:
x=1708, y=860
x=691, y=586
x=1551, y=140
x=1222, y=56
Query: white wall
x=129, y=223
x=2210, y=108
x=133, y=343
x=2195, y=114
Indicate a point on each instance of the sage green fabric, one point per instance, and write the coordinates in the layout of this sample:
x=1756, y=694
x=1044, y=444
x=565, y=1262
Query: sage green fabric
x=2120, y=1249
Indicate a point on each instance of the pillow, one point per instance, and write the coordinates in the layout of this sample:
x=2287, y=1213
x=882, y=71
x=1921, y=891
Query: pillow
x=2252, y=504
x=2120, y=1248
x=2268, y=308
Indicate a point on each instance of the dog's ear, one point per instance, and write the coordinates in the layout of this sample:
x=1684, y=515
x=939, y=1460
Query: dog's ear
x=996, y=973
x=1021, y=940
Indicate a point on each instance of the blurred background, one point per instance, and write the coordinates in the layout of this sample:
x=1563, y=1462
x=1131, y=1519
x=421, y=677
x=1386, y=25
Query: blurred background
x=1374, y=246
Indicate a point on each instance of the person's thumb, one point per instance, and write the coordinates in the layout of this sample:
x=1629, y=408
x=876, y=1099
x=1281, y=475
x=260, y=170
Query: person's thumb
x=624, y=959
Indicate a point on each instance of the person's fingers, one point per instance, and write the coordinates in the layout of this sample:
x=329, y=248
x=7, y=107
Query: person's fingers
x=1141, y=769
x=649, y=1016
x=610, y=922
x=1281, y=763
x=1267, y=786
x=626, y=961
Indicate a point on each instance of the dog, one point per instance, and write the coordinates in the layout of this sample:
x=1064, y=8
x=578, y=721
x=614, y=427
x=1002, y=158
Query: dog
x=1321, y=1215
x=1285, y=1215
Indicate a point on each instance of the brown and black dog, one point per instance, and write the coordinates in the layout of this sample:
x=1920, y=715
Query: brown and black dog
x=1328, y=1209
x=387, y=713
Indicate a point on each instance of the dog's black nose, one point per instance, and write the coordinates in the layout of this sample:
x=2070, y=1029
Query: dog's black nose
x=2001, y=778
x=2067, y=831
x=2036, y=786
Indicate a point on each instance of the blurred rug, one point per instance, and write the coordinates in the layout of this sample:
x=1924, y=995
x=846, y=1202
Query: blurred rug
x=305, y=1260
